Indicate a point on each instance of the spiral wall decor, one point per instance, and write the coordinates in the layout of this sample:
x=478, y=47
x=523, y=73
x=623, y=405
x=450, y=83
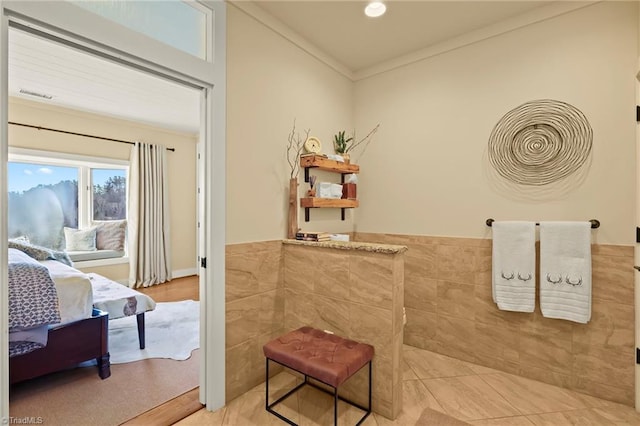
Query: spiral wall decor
x=540, y=142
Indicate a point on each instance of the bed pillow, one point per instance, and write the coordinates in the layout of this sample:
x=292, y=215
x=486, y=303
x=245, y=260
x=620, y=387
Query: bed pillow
x=110, y=234
x=80, y=239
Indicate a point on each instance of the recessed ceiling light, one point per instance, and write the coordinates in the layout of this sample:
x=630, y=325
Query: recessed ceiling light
x=375, y=9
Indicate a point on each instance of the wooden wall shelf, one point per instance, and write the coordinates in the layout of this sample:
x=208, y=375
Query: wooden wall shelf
x=322, y=163
x=316, y=202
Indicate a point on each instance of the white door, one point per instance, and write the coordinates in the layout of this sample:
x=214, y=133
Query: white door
x=637, y=248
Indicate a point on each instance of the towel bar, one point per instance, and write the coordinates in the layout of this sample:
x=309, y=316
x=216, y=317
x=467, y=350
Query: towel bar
x=595, y=223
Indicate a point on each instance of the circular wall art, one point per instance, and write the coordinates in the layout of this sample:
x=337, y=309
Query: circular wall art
x=540, y=142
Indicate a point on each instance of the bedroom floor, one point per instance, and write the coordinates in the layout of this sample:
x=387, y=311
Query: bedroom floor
x=465, y=391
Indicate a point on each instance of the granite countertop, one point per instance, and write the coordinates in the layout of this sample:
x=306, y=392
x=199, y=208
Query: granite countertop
x=351, y=245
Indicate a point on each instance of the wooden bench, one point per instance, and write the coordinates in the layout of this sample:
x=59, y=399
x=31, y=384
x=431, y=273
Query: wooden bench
x=324, y=357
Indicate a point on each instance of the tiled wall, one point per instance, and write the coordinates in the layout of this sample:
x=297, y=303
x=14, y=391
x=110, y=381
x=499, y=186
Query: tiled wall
x=255, y=311
x=354, y=294
x=358, y=295
x=450, y=311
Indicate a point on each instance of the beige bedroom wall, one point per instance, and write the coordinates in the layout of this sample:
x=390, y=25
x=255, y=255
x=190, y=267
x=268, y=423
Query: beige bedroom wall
x=428, y=173
x=271, y=82
x=181, y=163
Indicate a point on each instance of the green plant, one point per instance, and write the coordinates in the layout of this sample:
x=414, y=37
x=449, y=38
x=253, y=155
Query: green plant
x=340, y=144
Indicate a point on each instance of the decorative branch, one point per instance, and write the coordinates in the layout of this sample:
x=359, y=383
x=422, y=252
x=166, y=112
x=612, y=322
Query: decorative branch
x=294, y=148
x=366, y=140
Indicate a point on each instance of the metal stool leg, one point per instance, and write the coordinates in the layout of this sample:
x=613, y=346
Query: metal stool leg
x=266, y=386
x=335, y=406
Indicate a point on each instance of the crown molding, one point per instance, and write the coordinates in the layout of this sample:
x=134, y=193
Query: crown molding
x=529, y=18
x=532, y=17
x=279, y=27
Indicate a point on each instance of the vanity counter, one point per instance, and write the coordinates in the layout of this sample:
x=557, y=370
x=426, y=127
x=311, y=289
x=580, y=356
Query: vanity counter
x=351, y=245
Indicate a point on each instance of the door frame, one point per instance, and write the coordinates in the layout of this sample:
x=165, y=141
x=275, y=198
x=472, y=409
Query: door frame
x=66, y=22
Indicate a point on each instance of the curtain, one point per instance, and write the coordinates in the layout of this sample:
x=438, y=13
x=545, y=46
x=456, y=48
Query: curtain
x=149, y=244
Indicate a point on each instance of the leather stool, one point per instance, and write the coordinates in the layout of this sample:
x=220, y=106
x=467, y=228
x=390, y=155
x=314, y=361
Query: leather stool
x=325, y=357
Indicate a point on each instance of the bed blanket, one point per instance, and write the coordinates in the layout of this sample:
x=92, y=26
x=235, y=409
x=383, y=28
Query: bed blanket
x=33, y=300
x=40, y=253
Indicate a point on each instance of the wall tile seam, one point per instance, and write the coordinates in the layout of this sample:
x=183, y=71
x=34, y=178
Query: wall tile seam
x=252, y=339
x=618, y=385
x=341, y=300
x=459, y=282
x=253, y=243
x=612, y=302
x=594, y=246
x=258, y=293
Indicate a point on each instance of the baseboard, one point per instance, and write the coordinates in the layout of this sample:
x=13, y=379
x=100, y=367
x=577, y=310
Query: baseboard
x=179, y=273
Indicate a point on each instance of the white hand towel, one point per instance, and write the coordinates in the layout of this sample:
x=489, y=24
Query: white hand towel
x=565, y=270
x=514, y=265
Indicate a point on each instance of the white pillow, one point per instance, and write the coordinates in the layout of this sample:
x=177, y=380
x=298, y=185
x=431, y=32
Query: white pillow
x=80, y=239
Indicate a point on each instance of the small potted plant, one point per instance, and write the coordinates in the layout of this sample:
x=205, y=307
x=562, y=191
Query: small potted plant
x=341, y=145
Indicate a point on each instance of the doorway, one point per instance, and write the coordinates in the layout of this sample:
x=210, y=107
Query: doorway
x=66, y=23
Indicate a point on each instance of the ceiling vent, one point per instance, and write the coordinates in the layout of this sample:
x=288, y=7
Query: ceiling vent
x=36, y=94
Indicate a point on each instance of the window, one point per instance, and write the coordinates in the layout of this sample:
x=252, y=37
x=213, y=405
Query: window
x=49, y=191
x=42, y=200
x=177, y=23
x=109, y=194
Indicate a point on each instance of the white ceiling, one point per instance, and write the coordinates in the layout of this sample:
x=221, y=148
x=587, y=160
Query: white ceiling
x=85, y=82
x=337, y=29
x=341, y=29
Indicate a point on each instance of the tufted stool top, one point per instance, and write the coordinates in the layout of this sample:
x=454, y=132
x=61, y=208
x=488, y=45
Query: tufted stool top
x=323, y=356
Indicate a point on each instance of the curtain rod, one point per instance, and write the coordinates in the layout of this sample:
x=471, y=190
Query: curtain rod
x=77, y=134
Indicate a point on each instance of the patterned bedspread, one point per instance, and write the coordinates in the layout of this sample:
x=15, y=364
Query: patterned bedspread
x=117, y=299
x=33, y=300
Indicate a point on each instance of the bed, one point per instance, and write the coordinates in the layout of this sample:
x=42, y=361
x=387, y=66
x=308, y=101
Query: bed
x=52, y=322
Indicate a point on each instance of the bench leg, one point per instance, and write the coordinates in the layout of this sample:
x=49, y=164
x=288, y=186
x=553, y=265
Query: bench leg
x=140, y=319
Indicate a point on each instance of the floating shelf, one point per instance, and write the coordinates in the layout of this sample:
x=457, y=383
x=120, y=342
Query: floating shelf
x=323, y=163
x=316, y=202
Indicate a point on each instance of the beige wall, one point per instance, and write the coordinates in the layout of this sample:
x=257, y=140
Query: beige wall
x=428, y=173
x=270, y=81
x=181, y=163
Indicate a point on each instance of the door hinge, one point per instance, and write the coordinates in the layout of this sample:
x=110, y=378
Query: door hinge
x=203, y=262
x=637, y=356
x=637, y=114
x=637, y=235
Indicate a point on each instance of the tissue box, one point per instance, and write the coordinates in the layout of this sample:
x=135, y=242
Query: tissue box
x=349, y=190
x=328, y=190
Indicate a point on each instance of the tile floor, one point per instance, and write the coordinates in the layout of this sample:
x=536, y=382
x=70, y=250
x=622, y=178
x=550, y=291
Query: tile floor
x=472, y=393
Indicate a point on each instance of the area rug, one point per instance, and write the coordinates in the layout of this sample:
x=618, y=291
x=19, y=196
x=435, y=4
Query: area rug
x=433, y=417
x=172, y=331
x=78, y=397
